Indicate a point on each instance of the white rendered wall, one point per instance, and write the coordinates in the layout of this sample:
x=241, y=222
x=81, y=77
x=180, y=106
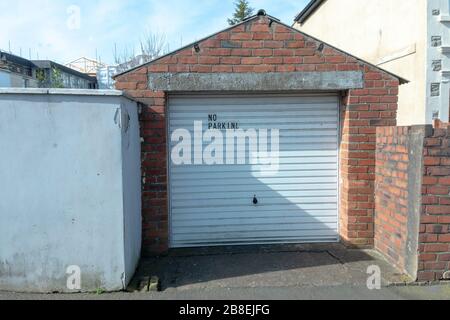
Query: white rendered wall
x=65, y=186
x=389, y=34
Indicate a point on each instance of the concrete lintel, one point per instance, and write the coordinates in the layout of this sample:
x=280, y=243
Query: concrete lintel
x=285, y=81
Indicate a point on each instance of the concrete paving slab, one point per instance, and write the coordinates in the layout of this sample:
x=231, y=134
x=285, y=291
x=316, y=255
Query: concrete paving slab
x=267, y=266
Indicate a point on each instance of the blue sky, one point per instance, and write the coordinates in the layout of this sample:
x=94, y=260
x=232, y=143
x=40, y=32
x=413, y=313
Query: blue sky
x=52, y=30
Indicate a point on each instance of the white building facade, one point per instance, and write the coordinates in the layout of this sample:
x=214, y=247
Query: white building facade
x=410, y=38
x=438, y=59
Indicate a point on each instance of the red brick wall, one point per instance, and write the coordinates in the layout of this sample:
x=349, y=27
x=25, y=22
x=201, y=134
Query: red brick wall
x=362, y=112
x=261, y=45
x=391, y=194
x=434, y=239
x=414, y=222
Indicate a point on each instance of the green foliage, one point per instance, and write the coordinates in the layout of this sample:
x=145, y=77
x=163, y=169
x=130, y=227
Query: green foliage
x=100, y=291
x=242, y=11
x=40, y=75
x=57, y=81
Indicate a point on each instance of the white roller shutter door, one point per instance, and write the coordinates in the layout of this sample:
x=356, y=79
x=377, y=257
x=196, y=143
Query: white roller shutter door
x=213, y=204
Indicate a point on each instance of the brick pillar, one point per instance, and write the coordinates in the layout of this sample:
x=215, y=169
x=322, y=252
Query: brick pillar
x=152, y=119
x=434, y=239
x=362, y=111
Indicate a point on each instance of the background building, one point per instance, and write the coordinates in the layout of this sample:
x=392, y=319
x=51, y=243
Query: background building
x=53, y=75
x=94, y=68
x=102, y=71
x=86, y=65
x=16, y=72
x=409, y=38
x=105, y=77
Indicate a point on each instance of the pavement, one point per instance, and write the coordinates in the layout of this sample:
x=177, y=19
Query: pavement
x=297, y=272
x=342, y=292
x=315, y=265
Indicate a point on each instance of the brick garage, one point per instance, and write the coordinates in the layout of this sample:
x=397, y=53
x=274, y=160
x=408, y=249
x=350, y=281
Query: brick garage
x=263, y=47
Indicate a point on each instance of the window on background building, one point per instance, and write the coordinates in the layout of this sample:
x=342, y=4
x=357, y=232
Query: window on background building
x=66, y=80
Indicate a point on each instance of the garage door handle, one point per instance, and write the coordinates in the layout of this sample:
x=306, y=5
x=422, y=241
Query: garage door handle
x=255, y=200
